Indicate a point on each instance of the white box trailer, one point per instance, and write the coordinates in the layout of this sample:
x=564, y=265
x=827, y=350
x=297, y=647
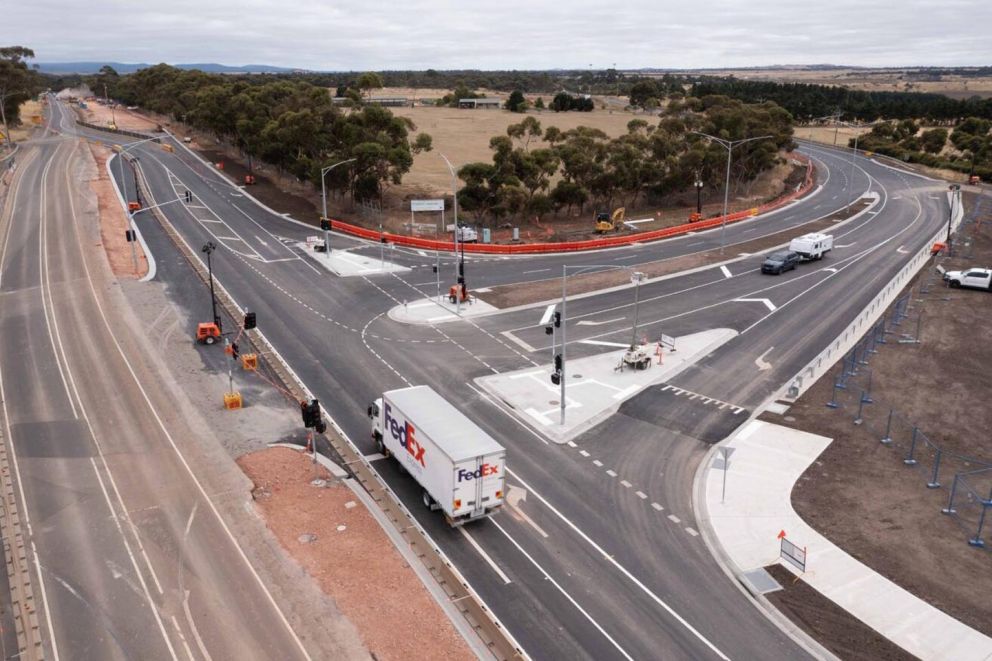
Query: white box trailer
x=460, y=467
x=812, y=246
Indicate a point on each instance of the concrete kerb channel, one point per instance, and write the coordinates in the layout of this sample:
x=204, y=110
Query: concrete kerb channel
x=799, y=384
x=493, y=640
x=152, y=269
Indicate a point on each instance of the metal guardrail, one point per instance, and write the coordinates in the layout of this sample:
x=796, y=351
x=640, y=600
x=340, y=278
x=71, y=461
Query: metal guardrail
x=132, y=134
x=836, y=349
x=483, y=622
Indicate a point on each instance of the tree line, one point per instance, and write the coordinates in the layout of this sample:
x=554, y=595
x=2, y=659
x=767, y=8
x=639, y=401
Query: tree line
x=970, y=149
x=18, y=83
x=806, y=101
x=290, y=124
x=535, y=172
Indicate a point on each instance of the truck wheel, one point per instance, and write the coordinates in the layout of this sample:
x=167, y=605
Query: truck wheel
x=428, y=501
x=380, y=446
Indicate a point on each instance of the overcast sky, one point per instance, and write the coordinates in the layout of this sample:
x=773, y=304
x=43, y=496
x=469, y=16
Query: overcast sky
x=504, y=34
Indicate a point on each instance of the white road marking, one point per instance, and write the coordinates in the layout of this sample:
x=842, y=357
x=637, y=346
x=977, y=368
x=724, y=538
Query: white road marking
x=692, y=532
x=611, y=473
x=515, y=496
x=485, y=556
x=626, y=483
x=761, y=362
x=726, y=271
x=516, y=340
x=658, y=507
x=641, y=495
x=767, y=302
x=375, y=456
x=586, y=322
x=583, y=453
x=674, y=519
x=597, y=463
x=622, y=259
x=603, y=343
x=553, y=582
x=536, y=271
x=611, y=560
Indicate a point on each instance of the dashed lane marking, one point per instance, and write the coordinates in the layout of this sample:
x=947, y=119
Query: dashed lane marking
x=703, y=398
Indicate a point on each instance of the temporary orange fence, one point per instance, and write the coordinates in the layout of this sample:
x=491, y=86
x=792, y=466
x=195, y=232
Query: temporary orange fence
x=590, y=244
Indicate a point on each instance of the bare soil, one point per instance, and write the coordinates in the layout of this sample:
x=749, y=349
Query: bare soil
x=103, y=115
x=31, y=116
x=505, y=296
x=344, y=549
x=839, y=631
x=861, y=495
x=113, y=220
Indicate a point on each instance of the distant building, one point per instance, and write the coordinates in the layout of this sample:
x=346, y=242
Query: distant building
x=480, y=103
x=390, y=101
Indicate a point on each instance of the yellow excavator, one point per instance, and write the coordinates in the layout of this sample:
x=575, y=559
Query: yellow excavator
x=607, y=223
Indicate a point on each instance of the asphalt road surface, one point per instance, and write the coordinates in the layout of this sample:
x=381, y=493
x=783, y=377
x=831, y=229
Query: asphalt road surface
x=133, y=560
x=598, y=557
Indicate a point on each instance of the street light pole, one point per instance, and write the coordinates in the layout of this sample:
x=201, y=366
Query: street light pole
x=208, y=248
x=954, y=188
x=323, y=196
x=130, y=214
x=699, y=194
x=729, y=146
x=459, y=263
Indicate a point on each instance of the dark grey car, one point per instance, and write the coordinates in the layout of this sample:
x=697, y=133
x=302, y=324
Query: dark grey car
x=777, y=262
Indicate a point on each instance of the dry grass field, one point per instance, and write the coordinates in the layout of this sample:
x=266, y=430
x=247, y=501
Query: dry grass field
x=463, y=135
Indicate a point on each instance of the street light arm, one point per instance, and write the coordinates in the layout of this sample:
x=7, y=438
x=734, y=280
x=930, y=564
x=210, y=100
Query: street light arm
x=156, y=206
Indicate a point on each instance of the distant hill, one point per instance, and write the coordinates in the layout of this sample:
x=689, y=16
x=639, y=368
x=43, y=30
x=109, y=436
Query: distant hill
x=86, y=68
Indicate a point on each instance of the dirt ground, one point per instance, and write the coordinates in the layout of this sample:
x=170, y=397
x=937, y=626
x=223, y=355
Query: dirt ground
x=862, y=496
x=505, y=296
x=836, y=629
x=97, y=113
x=113, y=220
x=344, y=549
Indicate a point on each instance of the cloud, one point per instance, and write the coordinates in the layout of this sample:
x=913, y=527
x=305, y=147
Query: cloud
x=511, y=34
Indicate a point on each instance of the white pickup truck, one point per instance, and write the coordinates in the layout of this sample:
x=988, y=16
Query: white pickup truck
x=975, y=278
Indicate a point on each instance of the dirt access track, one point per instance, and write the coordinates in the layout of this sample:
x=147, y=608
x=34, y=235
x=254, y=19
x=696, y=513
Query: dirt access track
x=862, y=495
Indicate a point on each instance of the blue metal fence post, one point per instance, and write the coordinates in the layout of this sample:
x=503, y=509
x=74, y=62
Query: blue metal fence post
x=881, y=330
x=909, y=460
x=833, y=403
x=933, y=483
x=861, y=407
x=950, y=501
x=977, y=539
x=887, y=439
x=867, y=397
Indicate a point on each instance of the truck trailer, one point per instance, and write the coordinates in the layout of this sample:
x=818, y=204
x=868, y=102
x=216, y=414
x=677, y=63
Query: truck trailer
x=461, y=469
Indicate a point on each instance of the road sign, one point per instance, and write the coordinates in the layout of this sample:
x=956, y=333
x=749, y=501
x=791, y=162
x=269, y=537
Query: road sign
x=547, y=315
x=313, y=239
x=725, y=452
x=426, y=205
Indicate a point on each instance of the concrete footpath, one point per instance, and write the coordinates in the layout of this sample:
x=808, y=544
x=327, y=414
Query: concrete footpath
x=767, y=461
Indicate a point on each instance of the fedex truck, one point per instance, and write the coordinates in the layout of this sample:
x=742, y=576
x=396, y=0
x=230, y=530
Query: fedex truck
x=460, y=468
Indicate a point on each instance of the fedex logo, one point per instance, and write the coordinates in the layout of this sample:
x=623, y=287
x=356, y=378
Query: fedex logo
x=404, y=433
x=484, y=470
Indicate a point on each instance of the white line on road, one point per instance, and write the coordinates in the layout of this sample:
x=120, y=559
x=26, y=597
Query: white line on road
x=603, y=343
x=658, y=507
x=674, y=519
x=515, y=496
x=586, y=322
x=536, y=271
x=611, y=560
x=622, y=259
x=485, y=556
x=516, y=340
x=553, y=582
x=726, y=271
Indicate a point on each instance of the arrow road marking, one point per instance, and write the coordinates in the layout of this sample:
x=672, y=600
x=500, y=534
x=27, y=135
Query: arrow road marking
x=761, y=362
x=902, y=250
x=830, y=270
x=515, y=496
x=766, y=301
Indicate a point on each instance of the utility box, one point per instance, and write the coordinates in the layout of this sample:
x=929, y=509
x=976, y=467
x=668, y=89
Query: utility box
x=487, y=235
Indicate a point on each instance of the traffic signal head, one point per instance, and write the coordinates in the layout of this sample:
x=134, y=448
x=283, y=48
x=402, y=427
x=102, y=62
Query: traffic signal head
x=556, y=378
x=557, y=319
x=325, y=225
x=320, y=427
x=558, y=362
x=234, y=350
x=249, y=320
x=311, y=413
x=548, y=330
